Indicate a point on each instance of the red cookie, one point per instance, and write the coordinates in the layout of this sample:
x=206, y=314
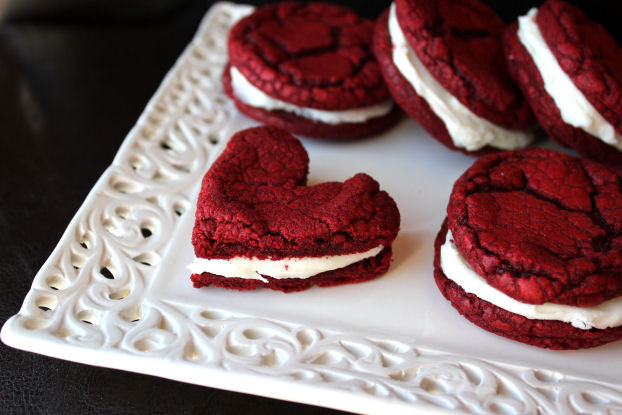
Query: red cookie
x=591, y=59
x=540, y=227
x=254, y=204
x=314, y=56
x=542, y=333
x=459, y=43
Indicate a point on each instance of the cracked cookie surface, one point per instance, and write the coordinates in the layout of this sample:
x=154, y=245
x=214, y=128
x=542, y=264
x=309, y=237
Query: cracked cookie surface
x=592, y=60
x=459, y=42
x=404, y=93
x=314, y=55
x=541, y=226
x=587, y=53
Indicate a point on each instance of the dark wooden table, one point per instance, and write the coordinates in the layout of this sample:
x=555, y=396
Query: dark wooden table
x=71, y=87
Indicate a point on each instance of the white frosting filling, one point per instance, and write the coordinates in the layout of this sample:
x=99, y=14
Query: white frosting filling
x=253, y=96
x=575, y=109
x=466, y=129
x=457, y=269
x=253, y=268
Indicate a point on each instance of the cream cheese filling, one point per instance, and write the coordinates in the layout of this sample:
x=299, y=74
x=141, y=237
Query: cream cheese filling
x=253, y=96
x=456, y=268
x=467, y=130
x=253, y=268
x=574, y=108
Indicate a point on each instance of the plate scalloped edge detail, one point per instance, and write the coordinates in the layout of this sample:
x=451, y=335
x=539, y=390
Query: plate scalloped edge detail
x=90, y=301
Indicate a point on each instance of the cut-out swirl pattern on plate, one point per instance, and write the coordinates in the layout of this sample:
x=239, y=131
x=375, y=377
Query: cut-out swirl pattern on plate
x=93, y=292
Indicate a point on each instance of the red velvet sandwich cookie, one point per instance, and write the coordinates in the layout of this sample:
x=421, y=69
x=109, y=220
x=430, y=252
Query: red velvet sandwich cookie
x=443, y=62
x=308, y=68
x=258, y=224
x=532, y=249
x=570, y=70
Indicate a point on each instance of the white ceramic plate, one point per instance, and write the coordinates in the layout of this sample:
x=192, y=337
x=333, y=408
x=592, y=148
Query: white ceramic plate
x=115, y=291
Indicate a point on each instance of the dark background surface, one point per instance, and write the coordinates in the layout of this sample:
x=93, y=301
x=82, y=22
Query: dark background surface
x=74, y=77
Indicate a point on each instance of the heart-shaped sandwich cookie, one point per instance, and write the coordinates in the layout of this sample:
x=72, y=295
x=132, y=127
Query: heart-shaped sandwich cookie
x=259, y=225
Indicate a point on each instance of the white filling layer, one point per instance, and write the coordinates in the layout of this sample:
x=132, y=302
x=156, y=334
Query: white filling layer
x=466, y=129
x=575, y=109
x=457, y=269
x=253, y=96
x=253, y=268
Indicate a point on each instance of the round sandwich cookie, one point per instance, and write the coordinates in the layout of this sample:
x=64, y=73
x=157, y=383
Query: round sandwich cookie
x=259, y=225
x=443, y=61
x=570, y=70
x=308, y=68
x=532, y=249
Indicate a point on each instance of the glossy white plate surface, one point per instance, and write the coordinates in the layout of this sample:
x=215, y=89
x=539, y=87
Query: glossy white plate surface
x=115, y=291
